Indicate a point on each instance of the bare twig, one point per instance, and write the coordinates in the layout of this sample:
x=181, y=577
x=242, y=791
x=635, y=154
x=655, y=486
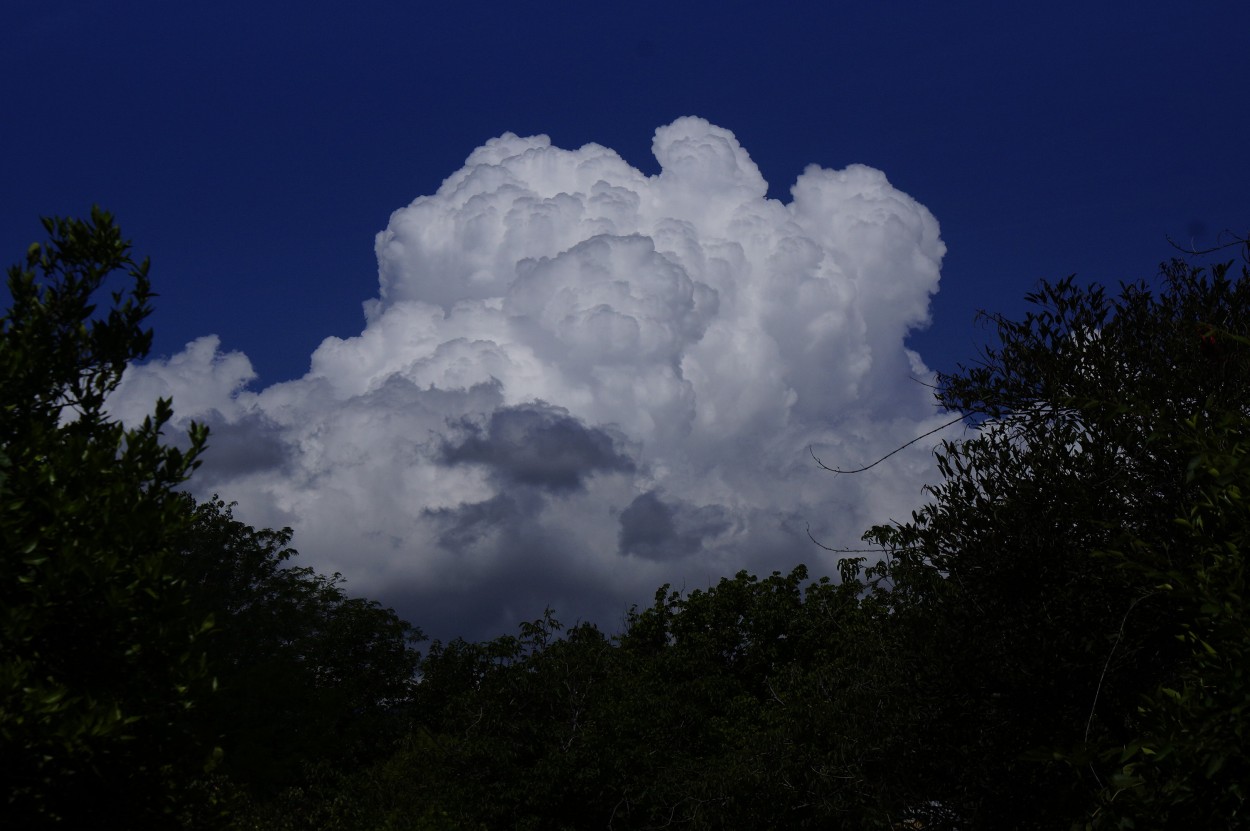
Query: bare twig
x=840, y=550
x=1236, y=241
x=1102, y=676
x=887, y=455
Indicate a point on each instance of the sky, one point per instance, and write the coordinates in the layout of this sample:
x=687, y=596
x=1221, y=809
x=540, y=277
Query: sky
x=503, y=307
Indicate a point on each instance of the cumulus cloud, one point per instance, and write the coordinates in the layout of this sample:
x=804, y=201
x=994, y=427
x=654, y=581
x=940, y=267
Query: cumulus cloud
x=578, y=382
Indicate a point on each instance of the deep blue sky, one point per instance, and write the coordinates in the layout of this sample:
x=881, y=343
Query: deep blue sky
x=470, y=468
x=254, y=149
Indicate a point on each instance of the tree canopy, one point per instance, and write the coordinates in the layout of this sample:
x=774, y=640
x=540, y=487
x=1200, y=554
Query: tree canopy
x=1065, y=560
x=1056, y=639
x=305, y=674
x=100, y=654
x=161, y=664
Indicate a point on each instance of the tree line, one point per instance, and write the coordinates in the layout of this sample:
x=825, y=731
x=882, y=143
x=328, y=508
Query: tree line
x=1057, y=639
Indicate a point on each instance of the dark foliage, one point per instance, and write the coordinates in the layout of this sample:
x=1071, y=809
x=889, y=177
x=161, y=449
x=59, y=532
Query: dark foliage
x=1058, y=639
x=1048, y=557
x=100, y=655
x=161, y=664
x=305, y=674
x=752, y=704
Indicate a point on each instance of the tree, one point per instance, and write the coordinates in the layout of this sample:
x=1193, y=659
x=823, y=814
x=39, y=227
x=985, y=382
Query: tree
x=771, y=694
x=100, y=657
x=309, y=680
x=1064, y=565
x=1188, y=764
x=756, y=703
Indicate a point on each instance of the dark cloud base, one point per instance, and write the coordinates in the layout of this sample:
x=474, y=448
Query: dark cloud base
x=536, y=445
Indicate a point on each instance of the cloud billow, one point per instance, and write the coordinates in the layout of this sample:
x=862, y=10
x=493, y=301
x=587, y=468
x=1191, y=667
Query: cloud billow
x=657, y=530
x=578, y=382
x=536, y=445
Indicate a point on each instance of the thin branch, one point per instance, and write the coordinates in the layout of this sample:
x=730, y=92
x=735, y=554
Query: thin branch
x=1098, y=690
x=954, y=420
x=841, y=550
x=1236, y=241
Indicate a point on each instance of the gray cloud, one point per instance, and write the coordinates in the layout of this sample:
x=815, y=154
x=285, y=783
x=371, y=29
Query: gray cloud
x=251, y=444
x=536, y=445
x=465, y=525
x=656, y=530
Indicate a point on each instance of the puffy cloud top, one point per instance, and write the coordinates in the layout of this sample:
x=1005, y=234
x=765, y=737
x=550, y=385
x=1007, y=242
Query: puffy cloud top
x=578, y=382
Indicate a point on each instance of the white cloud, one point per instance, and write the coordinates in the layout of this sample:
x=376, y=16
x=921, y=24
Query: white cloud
x=579, y=382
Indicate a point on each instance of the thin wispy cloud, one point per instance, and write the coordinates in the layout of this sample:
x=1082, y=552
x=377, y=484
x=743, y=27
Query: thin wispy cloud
x=578, y=382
